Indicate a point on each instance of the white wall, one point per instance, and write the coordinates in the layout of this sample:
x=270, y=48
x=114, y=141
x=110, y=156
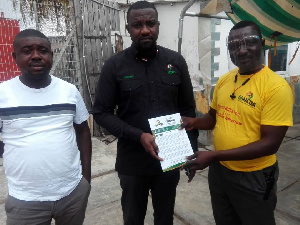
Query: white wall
x=294, y=68
x=223, y=59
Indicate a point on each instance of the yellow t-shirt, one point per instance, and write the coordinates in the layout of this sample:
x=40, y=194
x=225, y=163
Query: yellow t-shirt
x=266, y=99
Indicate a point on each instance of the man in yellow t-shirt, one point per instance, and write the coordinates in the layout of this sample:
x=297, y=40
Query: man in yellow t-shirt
x=250, y=112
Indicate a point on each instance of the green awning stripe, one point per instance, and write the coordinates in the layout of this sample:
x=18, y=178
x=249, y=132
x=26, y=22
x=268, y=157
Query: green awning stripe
x=289, y=6
x=295, y=3
x=252, y=9
x=235, y=19
x=278, y=14
x=267, y=32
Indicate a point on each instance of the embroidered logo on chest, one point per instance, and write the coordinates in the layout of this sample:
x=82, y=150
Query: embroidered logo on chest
x=170, y=67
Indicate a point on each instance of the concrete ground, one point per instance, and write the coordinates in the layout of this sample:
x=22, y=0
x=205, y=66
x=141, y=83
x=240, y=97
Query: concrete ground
x=193, y=200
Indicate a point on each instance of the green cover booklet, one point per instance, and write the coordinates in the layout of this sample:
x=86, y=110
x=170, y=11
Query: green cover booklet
x=174, y=145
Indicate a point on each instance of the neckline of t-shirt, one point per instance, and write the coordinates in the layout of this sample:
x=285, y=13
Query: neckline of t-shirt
x=246, y=76
x=36, y=90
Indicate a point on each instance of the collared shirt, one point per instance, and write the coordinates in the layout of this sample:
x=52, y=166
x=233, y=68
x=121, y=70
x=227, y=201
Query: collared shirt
x=141, y=89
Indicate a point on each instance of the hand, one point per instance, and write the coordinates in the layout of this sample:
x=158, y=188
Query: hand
x=148, y=142
x=188, y=123
x=200, y=160
x=189, y=173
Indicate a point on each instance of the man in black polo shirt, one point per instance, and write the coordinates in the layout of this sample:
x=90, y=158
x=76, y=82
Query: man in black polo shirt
x=144, y=81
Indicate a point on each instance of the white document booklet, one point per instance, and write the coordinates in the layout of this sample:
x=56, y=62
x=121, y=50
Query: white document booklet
x=174, y=145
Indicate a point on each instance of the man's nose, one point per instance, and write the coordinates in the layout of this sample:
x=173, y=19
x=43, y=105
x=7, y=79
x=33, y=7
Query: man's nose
x=35, y=54
x=145, y=29
x=242, y=47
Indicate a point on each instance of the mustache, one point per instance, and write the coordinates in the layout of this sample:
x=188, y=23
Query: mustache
x=243, y=57
x=238, y=58
x=146, y=37
x=34, y=64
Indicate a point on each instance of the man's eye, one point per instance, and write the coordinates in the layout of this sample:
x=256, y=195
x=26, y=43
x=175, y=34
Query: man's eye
x=251, y=41
x=43, y=50
x=233, y=45
x=136, y=25
x=151, y=24
x=26, y=50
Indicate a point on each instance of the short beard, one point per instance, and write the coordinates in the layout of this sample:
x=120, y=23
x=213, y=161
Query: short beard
x=146, y=49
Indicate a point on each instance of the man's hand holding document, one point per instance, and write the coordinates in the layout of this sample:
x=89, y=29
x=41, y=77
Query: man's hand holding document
x=174, y=144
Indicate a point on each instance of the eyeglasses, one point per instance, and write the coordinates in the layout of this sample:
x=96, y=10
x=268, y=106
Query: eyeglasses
x=247, y=42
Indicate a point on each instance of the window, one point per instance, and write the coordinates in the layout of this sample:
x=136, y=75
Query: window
x=279, y=61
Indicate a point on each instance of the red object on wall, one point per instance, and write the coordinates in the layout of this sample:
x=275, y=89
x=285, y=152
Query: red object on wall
x=9, y=28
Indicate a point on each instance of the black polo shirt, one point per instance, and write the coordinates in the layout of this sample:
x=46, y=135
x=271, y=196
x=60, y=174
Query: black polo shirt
x=141, y=89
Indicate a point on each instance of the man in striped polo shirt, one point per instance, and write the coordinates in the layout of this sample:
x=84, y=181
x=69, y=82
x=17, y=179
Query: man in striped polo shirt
x=47, y=162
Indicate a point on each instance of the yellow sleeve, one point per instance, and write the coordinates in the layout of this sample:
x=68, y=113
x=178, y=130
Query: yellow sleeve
x=278, y=108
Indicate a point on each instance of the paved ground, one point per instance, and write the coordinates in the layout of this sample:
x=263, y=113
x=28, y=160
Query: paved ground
x=193, y=200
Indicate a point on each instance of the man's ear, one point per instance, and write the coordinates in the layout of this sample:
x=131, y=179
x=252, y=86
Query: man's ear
x=263, y=43
x=14, y=55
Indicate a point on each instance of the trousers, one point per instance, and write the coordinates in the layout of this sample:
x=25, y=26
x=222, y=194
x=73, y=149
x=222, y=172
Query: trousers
x=69, y=210
x=243, y=197
x=135, y=192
